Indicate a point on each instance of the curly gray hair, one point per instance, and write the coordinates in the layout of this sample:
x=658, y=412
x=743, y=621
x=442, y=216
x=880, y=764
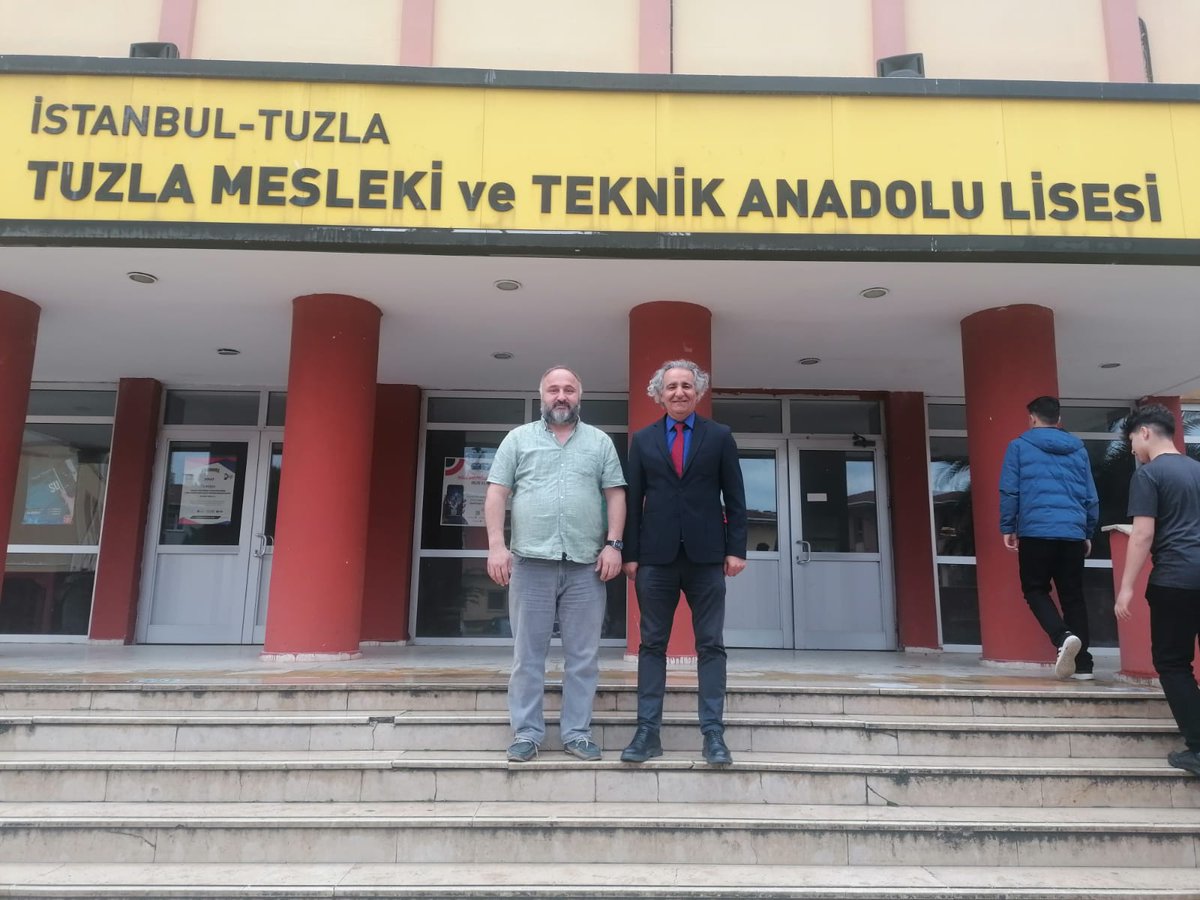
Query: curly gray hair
x=655, y=388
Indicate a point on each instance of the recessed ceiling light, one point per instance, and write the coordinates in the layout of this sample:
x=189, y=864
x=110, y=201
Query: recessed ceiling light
x=502, y=354
x=809, y=360
x=1110, y=365
x=874, y=293
x=141, y=277
x=227, y=351
x=507, y=284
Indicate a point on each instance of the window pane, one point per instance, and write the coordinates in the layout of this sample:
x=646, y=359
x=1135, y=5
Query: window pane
x=477, y=410
x=60, y=484
x=762, y=499
x=1099, y=596
x=960, y=604
x=206, y=483
x=1112, y=468
x=456, y=470
x=212, y=408
x=837, y=501
x=835, y=417
x=273, y=490
x=1103, y=419
x=72, y=403
x=950, y=482
x=749, y=416
x=276, y=408
x=602, y=412
x=47, y=593
x=1191, y=424
x=947, y=417
x=456, y=598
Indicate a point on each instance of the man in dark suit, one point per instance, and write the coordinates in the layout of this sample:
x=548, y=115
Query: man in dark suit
x=685, y=530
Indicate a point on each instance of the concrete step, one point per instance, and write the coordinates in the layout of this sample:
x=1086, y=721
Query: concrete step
x=1089, y=699
x=173, y=731
x=508, y=881
x=632, y=833
x=443, y=776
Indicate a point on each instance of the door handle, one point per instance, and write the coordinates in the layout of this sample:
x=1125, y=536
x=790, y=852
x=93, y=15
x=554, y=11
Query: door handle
x=805, y=556
x=260, y=546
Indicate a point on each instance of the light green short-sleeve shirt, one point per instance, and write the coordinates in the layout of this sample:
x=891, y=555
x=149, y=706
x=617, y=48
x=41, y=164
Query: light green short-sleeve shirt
x=557, y=501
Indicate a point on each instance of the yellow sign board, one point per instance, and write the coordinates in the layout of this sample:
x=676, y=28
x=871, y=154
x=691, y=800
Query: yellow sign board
x=120, y=148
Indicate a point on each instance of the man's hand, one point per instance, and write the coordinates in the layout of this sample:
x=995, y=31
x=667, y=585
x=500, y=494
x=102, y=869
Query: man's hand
x=1121, y=607
x=1087, y=548
x=609, y=563
x=630, y=569
x=1010, y=541
x=734, y=566
x=499, y=565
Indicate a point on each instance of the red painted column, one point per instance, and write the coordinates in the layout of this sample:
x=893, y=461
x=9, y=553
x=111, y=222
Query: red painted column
x=325, y=490
x=889, y=28
x=386, y=599
x=654, y=37
x=912, y=523
x=1123, y=41
x=177, y=24
x=416, y=32
x=658, y=332
x=1008, y=359
x=126, y=510
x=18, y=339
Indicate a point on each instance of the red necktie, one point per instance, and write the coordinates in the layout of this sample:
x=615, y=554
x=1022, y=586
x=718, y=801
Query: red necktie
x=677, y=449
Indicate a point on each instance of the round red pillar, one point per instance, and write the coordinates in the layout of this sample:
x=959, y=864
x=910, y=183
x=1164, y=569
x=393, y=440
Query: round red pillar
x=659, y=332
x=325, y=488
x=18, y=338
x=1008, y=359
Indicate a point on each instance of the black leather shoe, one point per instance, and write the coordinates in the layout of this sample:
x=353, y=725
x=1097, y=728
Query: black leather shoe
x=645, y=745
x=715, y=751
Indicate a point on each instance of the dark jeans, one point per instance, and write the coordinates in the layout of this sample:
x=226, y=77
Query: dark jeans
x=658, y=590
x=1174, y=627
x=1043, y=560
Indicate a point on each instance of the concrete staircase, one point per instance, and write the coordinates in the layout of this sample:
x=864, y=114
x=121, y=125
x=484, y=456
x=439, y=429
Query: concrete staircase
x=384, y=791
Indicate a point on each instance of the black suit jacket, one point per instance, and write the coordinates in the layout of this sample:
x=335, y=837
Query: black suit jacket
x=665, y=511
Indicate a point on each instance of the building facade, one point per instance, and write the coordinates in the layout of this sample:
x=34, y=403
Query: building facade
x=267, y=308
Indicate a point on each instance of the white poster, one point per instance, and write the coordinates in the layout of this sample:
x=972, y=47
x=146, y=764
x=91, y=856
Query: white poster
x=464, y=487
x=208, y=488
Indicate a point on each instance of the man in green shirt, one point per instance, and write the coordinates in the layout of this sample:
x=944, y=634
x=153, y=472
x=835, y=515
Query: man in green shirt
x=568, y=513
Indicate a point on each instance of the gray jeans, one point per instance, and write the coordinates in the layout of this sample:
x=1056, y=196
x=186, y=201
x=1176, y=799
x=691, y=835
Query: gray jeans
x=539, y=588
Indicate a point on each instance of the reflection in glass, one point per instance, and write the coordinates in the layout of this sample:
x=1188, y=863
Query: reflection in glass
x=947, y=417
x=959, y=596
x=749, y=416
x=71, y=403
x=47, y=593
x=1112, y=468
x=838, y=501
x=212, y=408
x=1094, y=419
x=273, y=489
x=478, y=410
x=950, y=482
x=202, y=503
x=1099, y=595
x=60, y=484
x=762, y=499
x=276, y=409
x=835, y=417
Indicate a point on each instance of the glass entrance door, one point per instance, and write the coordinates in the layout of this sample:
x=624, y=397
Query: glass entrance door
x=211, y=535
x=758, y=608
x=841, y=562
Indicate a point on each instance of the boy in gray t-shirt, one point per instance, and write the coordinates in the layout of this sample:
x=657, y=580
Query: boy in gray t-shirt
x=1164, y=501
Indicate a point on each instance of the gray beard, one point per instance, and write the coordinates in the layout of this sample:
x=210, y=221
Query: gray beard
x=552, y=416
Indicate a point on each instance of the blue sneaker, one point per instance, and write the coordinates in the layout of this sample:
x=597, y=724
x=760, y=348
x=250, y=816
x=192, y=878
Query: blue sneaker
x=583, y=748
x=522, y=750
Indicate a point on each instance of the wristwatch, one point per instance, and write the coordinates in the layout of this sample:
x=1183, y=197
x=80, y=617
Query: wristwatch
x=618, y=545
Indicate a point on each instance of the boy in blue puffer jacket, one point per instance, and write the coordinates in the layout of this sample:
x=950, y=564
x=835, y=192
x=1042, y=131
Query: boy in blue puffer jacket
x=1048, y=512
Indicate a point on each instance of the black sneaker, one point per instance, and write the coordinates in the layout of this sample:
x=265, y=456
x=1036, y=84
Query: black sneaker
x=1188, y=760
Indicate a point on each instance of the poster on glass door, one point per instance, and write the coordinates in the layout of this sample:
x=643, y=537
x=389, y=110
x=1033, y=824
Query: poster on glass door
x=207, y=491
x=464, y=487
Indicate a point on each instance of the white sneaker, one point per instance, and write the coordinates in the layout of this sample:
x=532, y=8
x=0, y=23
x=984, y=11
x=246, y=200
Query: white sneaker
x=1064, y=666
x=1084, y=676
